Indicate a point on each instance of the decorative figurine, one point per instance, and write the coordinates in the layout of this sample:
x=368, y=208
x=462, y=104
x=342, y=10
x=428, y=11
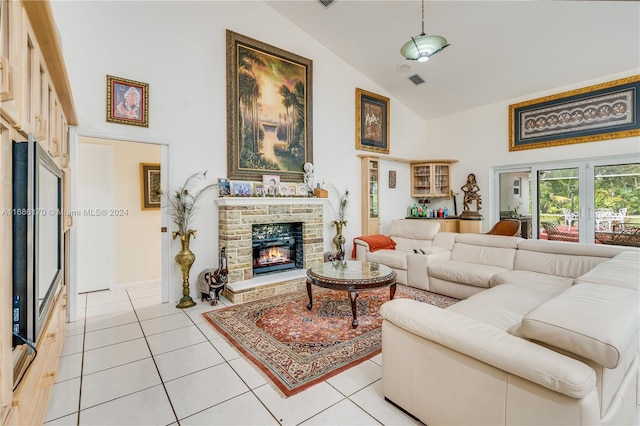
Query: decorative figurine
x=338, y=255
x=211, y=282
x=308, y=177
x=471, y=190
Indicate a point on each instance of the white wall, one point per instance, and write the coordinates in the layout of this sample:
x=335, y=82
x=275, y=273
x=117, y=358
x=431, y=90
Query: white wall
x=179, y=49
x=479, y=138
x=136, y=231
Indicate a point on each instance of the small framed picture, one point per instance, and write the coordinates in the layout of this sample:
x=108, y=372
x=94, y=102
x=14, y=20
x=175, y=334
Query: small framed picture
x=271, y=184
x=392, y=178
x=242, y=189
x=303, y=191
x=150, y=186
x=292, y=189
x=224, y=187
x=127, y=101
x=258, y=190
x=283, y=190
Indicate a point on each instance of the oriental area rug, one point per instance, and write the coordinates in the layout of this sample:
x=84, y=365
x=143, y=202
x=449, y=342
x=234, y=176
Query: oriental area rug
x=296, y=348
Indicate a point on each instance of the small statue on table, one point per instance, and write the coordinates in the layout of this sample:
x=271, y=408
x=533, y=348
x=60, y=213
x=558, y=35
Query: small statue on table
x=471, y=194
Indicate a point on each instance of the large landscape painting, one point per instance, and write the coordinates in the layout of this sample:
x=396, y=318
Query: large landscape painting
x=269, y=119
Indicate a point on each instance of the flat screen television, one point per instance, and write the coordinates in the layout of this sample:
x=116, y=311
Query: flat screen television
x=37, y=237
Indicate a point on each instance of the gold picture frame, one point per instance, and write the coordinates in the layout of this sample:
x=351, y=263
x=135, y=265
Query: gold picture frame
x=127, y=101
x=600, y=112
x=372, y=122
x=150, y=189
x=284, y=118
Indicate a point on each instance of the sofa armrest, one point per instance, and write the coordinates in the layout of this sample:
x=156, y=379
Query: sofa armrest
x=492, y=346
x=361, y=249
x=417, y=265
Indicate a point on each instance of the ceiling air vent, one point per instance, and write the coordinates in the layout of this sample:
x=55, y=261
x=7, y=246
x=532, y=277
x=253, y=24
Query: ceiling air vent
x=326, y=3
x=416, y=79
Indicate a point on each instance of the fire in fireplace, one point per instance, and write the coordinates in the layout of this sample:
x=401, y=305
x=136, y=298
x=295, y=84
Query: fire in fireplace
x=276, y=247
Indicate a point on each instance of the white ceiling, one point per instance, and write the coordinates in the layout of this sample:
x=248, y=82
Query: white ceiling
x=499, y=49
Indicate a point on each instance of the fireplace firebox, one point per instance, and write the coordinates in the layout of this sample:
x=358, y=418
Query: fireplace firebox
x=276, y=247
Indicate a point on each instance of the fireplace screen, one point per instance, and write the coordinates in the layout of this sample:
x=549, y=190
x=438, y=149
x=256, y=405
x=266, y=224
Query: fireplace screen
x=276, y=247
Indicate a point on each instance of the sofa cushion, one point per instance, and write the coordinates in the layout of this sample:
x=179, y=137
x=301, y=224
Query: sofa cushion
x=554, y=283
x=493, y=250
x=503, y=306
x=590, y=320
x=557, y=258
x=464, y=272
x=413, y=229
x=408, y=245
x=392, y=258
x=616, y=272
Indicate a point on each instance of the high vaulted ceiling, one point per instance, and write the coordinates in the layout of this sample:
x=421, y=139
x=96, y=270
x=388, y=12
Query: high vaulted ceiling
x=499, y=49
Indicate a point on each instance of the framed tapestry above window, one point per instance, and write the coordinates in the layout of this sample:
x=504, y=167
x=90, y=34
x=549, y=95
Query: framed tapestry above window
x=600, y=112
x=269, y=111
x=372, y=122
x=150, y=190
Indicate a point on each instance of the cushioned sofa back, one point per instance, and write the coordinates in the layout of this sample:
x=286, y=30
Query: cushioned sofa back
x=494, y=250
x=414, y=229
x=412, y=234
x=616, y=272
x=562, y=259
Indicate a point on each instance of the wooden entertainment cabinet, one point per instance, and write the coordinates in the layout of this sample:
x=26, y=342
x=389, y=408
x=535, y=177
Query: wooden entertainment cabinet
x=35, y=98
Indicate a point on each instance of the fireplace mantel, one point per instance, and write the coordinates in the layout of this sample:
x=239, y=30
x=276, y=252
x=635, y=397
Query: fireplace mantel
x=265, y=201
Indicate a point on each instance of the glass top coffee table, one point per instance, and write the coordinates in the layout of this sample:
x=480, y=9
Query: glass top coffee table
x=351, y=276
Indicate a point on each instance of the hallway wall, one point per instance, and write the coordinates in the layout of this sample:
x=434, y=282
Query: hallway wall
x=136, y=232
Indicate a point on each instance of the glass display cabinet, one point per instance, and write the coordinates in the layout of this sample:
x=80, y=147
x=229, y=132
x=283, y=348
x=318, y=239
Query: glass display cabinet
x=370, y=195
x=430, y=179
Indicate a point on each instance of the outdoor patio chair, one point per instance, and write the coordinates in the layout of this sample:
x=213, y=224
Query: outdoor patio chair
x=554, y=234
x=625, y=234
x=569, y=217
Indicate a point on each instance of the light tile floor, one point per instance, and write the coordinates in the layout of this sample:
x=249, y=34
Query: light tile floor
x=131, y=360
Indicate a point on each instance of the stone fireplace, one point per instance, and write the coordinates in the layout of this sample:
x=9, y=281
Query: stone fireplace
x=237, y=220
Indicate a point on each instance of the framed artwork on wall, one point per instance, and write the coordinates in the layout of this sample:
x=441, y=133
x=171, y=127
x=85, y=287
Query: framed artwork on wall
x=127, y=101
x=275, y=137
x=150, y=190
x=392, y=179
x=600, y=112
x=517, y=183
x=372, y=122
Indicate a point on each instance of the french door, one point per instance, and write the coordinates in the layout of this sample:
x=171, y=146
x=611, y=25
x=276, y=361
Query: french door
x=587, y=201
x=591, y=201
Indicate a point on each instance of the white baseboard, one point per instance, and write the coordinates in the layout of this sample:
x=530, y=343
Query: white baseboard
x=136, y=284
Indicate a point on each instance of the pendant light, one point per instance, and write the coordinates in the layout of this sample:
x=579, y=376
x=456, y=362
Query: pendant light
x=421, y=47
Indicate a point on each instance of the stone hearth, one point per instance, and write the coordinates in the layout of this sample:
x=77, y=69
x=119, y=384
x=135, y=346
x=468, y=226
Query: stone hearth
x=236, y=217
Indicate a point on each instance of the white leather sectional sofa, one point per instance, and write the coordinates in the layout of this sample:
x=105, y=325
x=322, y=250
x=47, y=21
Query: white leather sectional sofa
x=547, y=333
x=414, y=239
